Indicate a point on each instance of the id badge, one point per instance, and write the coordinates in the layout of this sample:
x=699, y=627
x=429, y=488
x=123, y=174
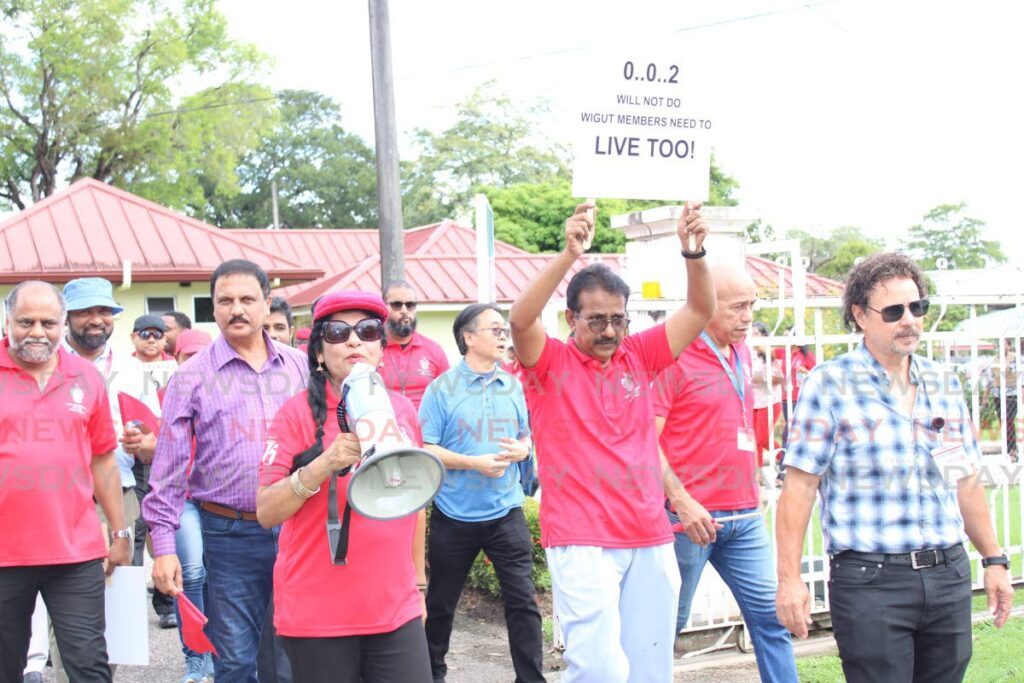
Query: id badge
x=953, y=463
x=745, y=439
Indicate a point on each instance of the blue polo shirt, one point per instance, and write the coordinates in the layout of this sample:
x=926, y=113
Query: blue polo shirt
x=469, y=413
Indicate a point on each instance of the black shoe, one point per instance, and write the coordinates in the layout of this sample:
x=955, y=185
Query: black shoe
x=169, y=620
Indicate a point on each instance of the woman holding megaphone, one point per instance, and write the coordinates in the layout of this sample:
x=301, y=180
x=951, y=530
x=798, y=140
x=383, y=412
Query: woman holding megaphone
x=353, y=614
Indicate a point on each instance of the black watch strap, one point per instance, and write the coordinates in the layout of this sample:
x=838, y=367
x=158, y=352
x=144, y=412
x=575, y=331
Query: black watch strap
x=998, y=559
x=693, y=254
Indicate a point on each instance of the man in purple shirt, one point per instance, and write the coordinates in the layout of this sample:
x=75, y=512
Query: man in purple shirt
x=224, y=397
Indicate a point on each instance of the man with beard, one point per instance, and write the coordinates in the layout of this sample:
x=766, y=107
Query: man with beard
x=91, y=310
x=58, y=445
x=883, y=435
x=223, y=400
x=176, y=323
x=411, y=361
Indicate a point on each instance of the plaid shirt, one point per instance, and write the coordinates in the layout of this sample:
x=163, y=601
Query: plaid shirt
x=880, y=489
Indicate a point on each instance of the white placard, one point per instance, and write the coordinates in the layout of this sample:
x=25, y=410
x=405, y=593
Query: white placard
x=127, y=627
x=639, y=132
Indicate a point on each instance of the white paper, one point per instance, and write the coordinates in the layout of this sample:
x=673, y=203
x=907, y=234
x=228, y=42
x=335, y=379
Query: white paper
x=639, y=132
x=127, y=626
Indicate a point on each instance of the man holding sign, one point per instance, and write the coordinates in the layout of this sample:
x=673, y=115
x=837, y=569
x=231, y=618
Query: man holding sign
x=603, y=524
x=885, y=437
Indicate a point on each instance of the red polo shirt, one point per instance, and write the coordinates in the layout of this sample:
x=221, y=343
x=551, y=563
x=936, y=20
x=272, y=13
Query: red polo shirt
x=47, y=441
x=596, y=445
x=409, y=369
x=375, y=592
x=702, y=415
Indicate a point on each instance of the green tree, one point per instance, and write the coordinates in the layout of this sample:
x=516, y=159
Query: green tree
x=532, y=215
x=325, y=176
x=86, y=90
x=948, y=232
x=493, y=143
x=835, y=254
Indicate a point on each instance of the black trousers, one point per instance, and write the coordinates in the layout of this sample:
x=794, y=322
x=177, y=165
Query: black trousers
x=396, y=657
x=897, y=624
x=452, y=547
x=162, y=603
x=73, y=594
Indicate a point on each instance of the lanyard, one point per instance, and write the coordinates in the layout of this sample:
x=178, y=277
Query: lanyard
x=735, y=374
x=110, y=362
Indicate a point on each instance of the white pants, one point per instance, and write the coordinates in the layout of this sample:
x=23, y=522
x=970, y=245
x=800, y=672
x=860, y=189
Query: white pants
x=617, y=611
x=39, y=642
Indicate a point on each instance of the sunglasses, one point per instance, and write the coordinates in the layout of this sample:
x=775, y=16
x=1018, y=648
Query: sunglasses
x=496, y=331
x=338, y=331
x=891, y=314
x=599, y=324
x=146, y=335
x=397, y=305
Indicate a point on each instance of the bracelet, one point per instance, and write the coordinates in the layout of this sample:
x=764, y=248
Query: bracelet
x=299, y=488
x=422, y=587
x=694, y=254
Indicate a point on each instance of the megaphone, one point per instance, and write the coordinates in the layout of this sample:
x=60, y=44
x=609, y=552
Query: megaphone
x=393, y=478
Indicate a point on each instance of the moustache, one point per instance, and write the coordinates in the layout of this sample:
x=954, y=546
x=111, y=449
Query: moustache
x=238, y=319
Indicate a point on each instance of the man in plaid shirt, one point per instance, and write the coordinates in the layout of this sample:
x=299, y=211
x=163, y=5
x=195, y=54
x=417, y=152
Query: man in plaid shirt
x=885, y=438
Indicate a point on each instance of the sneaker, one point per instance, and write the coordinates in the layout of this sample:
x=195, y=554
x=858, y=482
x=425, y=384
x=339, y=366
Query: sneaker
x=208, y=666
x=193, y=670
x=169, y=620
x=33, y=677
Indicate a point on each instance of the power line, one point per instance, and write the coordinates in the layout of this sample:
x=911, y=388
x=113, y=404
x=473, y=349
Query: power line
x=212, y=105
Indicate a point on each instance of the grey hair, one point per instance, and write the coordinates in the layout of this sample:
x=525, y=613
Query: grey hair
x=11, y=300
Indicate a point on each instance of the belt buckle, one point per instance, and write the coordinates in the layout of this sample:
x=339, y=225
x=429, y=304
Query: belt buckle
x=914, y=562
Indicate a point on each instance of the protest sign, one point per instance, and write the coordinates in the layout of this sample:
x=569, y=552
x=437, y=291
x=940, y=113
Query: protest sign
x=639, y=132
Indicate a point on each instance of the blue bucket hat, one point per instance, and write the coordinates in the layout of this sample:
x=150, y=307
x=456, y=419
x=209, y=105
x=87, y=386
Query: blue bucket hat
x=86, y=292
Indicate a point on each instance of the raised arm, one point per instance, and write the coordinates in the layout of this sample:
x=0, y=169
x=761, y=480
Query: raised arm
x=685, y=324
x=524, y=318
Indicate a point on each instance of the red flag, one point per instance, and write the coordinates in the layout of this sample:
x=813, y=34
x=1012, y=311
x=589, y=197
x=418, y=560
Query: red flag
x=134, y=409
x=192, y=622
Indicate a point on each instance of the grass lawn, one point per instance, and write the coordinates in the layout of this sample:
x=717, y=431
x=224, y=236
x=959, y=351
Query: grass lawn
x=998, y=656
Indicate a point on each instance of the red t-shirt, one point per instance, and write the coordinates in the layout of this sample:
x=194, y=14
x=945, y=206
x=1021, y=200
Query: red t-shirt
x=410, y=369
x=48, y=439
x=702, y=415
x=596, y=446
x=375, y=592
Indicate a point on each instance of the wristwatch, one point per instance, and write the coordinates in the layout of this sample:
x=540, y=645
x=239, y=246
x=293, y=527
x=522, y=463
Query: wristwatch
x=123, y=533
x=998, y=559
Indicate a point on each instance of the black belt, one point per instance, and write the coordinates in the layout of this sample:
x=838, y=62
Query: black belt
x=917, y=559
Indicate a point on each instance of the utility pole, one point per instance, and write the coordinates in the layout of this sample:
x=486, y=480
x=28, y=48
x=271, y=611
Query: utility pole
x=389, y=194
x=273, y=205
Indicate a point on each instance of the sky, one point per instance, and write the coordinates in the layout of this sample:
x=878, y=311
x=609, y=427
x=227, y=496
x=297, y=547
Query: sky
x=837, y=112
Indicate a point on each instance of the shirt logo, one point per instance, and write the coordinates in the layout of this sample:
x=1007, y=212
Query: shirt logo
x=77, y=395
x=425, y=367
x=630, y=388
x=270, y=453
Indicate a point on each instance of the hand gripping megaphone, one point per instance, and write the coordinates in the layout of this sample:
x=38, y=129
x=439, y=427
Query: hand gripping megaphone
x=393, y=478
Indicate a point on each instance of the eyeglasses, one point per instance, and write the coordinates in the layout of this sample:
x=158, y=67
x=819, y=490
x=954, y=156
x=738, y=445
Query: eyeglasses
x=891, y=314
x=338, y=331
x=397, y=305
x=496, y=331
x=146, y=335
x=599, y=323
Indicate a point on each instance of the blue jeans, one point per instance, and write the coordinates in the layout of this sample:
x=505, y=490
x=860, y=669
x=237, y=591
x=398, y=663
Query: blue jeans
x=188, y=542
x=742, y=556
x=239, y=557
